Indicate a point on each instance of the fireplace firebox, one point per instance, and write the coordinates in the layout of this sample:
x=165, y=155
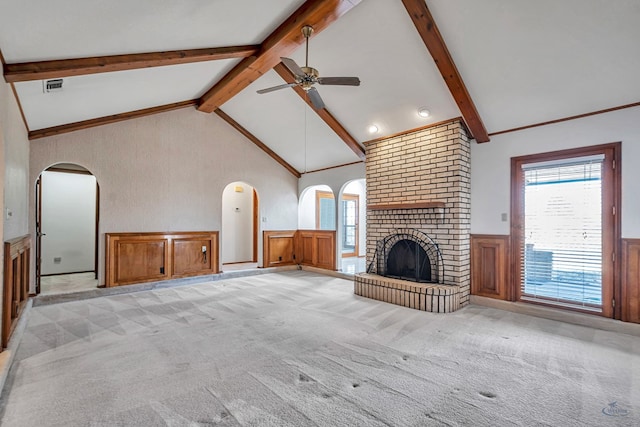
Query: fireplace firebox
x=408, y=255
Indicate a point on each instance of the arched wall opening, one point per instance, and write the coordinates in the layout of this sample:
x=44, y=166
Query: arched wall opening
x=67, y=219
x=316, y=209
x=240, y=224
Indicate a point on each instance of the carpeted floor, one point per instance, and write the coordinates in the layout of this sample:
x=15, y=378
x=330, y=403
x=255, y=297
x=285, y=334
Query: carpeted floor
x=298, y=349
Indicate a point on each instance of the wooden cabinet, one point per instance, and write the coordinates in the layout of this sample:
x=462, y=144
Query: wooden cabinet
x=278, y=248
x=316, y=248
x=145, y=257
x=16, y=284
x=489, y=266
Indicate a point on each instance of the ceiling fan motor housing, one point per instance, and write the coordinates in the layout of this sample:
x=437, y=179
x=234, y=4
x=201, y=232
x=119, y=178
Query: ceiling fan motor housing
x=310, y=77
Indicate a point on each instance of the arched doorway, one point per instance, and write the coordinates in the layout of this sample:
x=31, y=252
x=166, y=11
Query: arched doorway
x=240, y=226
x=67, y=213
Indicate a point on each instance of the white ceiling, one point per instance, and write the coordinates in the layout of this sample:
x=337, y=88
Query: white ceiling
x=523, y=62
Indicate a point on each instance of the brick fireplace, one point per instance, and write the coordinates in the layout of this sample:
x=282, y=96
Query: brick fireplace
x=420, y=181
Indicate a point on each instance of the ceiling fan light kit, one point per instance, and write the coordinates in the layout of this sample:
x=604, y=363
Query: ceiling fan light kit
x=306, y=77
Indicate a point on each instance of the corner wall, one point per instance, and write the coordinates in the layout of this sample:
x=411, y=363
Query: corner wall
x=14, y=170
x=14, y=163
x=167, y=172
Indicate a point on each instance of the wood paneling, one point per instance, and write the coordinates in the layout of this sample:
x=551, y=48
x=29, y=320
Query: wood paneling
x=145, y=257
x=278, y=248
x=490, y=266
x=631, y=280
x=315, y=248
x=139, y=260
x=325, y=254
x=190, y=260
x=105, y=120
x=409, y=205
x=17, y=253
x=305, y=247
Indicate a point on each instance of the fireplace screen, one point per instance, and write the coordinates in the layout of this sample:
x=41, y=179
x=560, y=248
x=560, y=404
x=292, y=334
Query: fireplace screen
x=408, y=255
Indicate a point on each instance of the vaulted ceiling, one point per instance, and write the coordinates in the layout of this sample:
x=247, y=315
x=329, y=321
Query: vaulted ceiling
x=498, y=64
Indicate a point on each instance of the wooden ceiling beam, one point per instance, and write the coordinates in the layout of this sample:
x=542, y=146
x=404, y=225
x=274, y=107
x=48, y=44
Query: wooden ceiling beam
x=324, y=114
x=426, y=26
x=251, y=137
x=85, y=124
x=41, y=70
x=282, y=42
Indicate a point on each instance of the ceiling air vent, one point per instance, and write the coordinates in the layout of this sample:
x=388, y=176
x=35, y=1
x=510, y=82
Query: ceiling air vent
x=54, y=85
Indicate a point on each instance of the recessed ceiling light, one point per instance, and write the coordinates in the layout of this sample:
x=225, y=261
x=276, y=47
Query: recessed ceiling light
x=424, y=112
x=373, y=129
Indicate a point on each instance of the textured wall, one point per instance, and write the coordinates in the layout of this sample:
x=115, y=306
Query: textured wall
x=16, y=165
x=167, y=172
x=14, y=169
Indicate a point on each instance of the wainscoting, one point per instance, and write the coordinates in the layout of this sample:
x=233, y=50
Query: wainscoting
x=278, y=248
x=631, y=280
x=490, y=266
x=16, y=283
x=315, y=248
x=145, y=257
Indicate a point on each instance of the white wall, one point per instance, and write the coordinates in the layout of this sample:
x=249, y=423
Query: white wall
x=491, y=164
x=69, y=221
x=237, y=223
x=167, y=172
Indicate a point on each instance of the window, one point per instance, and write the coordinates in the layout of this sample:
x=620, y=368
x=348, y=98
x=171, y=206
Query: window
x=350, y=214
x=325, y=210
x=564, y=228
x=326, y=219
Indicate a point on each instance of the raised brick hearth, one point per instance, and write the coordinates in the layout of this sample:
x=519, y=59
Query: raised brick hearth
x=421, y=181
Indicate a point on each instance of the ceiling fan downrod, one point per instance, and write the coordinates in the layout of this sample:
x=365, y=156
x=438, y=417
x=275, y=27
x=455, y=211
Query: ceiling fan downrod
x=307, y=30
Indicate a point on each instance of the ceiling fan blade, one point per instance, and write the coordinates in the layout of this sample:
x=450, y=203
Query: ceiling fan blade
x=271, y=89
x=292, y=66
x=315, y=98
x=343, y=81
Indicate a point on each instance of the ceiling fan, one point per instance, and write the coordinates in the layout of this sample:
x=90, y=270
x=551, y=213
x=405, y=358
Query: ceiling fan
x=307, y=76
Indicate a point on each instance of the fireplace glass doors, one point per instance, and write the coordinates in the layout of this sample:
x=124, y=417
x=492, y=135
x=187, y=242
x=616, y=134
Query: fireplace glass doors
x=408, y=261
x=408, y=255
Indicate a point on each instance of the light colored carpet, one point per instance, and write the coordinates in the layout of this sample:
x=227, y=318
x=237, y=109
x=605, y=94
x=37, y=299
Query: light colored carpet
x=297, y=349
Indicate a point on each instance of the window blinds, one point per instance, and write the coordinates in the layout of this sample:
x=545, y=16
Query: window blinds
x=562, y=253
